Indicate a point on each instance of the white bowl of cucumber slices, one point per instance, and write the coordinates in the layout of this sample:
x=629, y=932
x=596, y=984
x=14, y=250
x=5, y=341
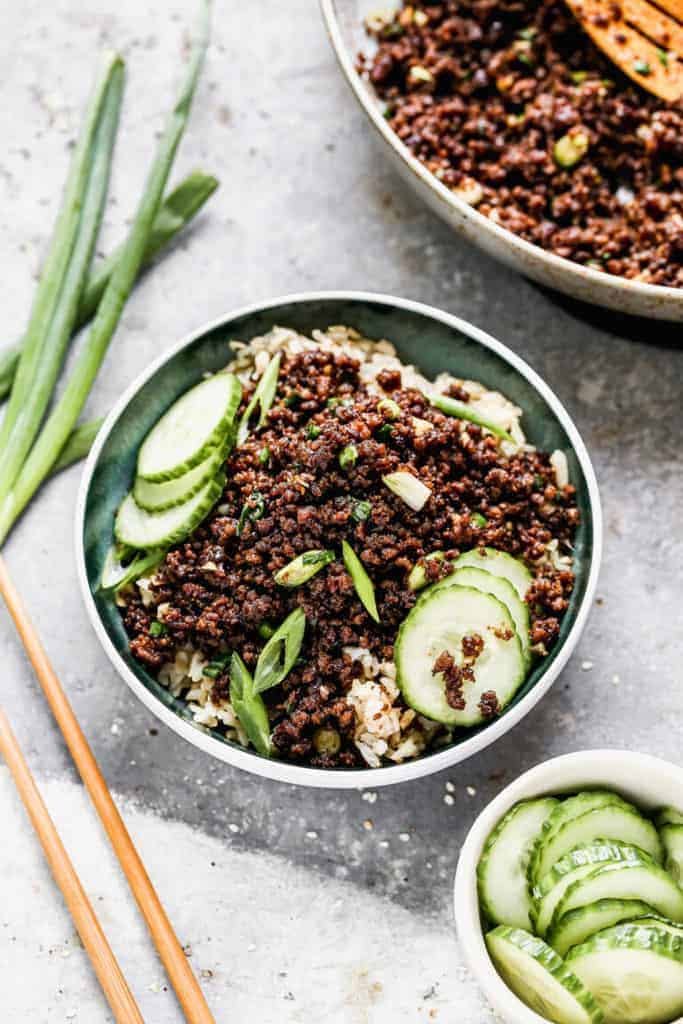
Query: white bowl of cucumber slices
x=568, y=892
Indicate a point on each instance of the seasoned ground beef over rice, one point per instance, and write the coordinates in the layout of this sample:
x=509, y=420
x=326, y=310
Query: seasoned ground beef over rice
x=482, y=90
x=340, y=706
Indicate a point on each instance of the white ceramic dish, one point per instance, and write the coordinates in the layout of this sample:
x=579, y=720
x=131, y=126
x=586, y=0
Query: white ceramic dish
x=644, y=780
x=446, y=342
x=344, y=21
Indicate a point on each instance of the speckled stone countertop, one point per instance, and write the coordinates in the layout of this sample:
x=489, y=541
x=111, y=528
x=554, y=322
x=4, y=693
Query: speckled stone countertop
x=267, y=883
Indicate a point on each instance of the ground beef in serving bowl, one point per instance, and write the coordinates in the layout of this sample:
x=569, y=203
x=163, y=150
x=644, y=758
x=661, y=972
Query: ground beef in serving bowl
x=482, y=91
x=286, y=493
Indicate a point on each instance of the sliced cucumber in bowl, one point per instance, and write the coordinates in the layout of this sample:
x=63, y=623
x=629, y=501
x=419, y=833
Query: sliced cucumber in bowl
x=498, y=563
x=575, y=865
x=144, y=530
x=501, y=873
x=628, y=880
x=672, y=838
x=634, y=972
x=576, y=926
x=196, y=423
x=619, y=822
x=158, y=497
x=500, y=587
x=668, y=816
x=439, y=623
x=541, y=978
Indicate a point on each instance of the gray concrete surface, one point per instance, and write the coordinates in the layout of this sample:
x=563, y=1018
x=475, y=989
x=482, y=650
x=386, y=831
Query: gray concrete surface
x=306, y=202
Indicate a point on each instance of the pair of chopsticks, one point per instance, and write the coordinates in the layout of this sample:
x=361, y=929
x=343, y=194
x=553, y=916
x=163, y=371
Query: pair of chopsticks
x=119, y=996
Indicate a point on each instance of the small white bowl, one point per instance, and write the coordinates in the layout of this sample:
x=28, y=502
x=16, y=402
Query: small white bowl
x=644, y=780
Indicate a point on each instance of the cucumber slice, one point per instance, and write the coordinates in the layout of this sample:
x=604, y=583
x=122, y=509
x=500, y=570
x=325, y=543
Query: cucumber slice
x=159, y=497
x=499, y=563
x=578, y=925
x=501, y=588
x=618, y=822
x=656, y=921
x=140, y=529
x=635, y=974
x=576, y=864
x=570, y=808
x=668, y=816
x=627, y=881
x=672, y=837
x=501, y=873
x=198, y=421
x=439, y=622
x=541, y=978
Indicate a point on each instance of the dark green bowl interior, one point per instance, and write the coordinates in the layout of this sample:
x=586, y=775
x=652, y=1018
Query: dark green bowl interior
x=431, y=345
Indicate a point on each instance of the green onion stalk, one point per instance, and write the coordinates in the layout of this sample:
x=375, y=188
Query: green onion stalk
x=177, y=210
x=59, y=291
x=65, y=413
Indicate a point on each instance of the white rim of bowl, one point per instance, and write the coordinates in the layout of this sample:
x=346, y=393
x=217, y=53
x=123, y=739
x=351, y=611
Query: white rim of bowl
x=548, y=774
x=283, y=771
x=562, y=267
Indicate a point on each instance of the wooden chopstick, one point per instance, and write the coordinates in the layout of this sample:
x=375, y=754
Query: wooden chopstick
x=190, y=995
x=105, y=964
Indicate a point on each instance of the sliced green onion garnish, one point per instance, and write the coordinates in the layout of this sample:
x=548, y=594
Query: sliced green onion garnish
x=348, y=456
x=361, y=511
x=157, y=628
x=417, y=578
x=408, y=488
x=361, y=581
x=249, y=706
x=313, y=431
x=385, y=431
x=265, y=630
x=216, y=667
x=277, y=658
x=390, y=408
x=116, y=576
x=252, y=510
x=477, y=519
x=303, y=568
x=463, y=411
x=264, y=455
x=263, y=398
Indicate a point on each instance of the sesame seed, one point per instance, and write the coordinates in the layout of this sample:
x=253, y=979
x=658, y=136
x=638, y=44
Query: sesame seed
x=449, y=799
x=404, y=837
x=369, y=797
x=311, y=835
x=450, y=787
x=233, y=827
x=368, y=825
x=586, y=666
x=616, y=680
x=471, y=791
x=384, y=844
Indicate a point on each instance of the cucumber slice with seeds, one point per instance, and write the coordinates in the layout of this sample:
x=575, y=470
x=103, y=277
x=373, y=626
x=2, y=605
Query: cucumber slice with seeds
x=140, y=529
x=501, y=873
x=197, y=422
x=576, y=864
x=499, y=563
x=570, y=808
x=438, y=623
x=656, y=921
x=618, y=822
x=501, y=588
x=672, y=837
x=634, y=881
x=541, y=978
x=578, y=925
x=635, y=973
x=668, y=816
x=159, y=497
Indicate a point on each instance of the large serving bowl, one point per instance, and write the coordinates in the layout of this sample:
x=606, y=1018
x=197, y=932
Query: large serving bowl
x=344, y=20
x=435, y=341
x=645, y=781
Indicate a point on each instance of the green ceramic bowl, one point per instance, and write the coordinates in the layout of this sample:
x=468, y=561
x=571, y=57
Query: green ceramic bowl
x=435, y=341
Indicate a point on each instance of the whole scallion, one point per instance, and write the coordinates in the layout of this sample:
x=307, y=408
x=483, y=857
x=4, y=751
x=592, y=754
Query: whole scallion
x=361, y=581
x=177, y=210
x=302, y=568
x=78, y=444
x=64, y=415
x=52, y=323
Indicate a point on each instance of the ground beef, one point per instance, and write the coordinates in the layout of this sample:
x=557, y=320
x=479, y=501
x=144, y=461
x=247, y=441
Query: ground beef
x=482, y=90
x=217, y=587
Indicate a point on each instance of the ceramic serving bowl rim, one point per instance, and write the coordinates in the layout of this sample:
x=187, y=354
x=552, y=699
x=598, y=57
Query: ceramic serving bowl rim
x=622, y=770
x=282, y=771
x=583, y=282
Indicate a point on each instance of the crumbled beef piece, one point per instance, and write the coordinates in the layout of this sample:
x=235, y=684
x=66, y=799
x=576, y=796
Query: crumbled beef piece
x=488, y=704
x=472, y=646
